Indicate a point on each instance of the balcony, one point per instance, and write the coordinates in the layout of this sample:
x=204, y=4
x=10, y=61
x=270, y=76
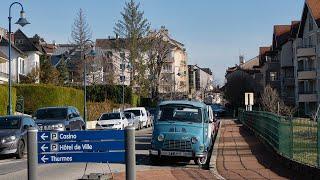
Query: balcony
x=307, y=73
x=305, y=51
x=310, y=96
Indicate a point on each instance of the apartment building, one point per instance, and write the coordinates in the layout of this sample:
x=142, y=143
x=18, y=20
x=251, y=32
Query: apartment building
x=113, y=56
x=174, y=74
x=307, y=58
x=200, y=81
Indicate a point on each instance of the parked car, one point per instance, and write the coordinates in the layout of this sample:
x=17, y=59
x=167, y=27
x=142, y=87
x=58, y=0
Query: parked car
x=141, y=114
x=59, y=119
x=182, y=129
x=115, y=120
x=13, y=134
x=132, y=119
x=218, y=110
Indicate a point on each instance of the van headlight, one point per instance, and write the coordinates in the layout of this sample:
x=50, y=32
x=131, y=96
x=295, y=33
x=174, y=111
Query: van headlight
x=194, y=140
x=161, y=137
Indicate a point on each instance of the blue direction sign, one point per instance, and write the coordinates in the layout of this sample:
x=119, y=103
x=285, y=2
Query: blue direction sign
x=81, y=146
x=114, y=157
x=102, y=146
x=80, y=135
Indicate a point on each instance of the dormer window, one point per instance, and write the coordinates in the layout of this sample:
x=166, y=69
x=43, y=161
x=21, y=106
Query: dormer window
x=19, y=41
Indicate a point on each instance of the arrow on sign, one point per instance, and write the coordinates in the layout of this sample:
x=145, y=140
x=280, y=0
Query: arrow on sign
x=44, y=159
x=44, y=147
x=44, y=137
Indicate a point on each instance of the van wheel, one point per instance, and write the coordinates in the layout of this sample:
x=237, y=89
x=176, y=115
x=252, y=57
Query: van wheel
x=20, y=150
x=202, y=161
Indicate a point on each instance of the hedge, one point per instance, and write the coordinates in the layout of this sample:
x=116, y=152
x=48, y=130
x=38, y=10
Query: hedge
x=40, y=95
x=4, y=99
x=102, y=93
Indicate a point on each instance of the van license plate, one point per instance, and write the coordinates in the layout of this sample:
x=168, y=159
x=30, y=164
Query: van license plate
x=176, y=153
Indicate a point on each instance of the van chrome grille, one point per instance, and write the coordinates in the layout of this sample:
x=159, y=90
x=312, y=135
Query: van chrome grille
x=181, y=145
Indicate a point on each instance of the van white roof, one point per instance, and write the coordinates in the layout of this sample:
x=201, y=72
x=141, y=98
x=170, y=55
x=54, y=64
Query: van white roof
x=136, y=108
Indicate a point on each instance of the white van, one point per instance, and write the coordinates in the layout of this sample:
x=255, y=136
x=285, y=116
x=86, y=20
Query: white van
x=141, y=114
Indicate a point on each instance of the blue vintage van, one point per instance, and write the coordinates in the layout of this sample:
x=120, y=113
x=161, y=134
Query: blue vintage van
x=182, y=129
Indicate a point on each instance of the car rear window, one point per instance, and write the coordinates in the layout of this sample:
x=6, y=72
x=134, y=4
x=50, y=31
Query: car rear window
x=51, y=113
x=110, y=116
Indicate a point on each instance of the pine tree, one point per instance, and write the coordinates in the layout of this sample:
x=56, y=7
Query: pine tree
x=48, y=73
x=63, y=72
x=133, y=27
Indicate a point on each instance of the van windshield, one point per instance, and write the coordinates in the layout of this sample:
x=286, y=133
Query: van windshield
x=182, y=113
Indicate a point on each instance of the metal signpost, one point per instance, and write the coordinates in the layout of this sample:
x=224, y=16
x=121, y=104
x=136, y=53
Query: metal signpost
x=108, y=146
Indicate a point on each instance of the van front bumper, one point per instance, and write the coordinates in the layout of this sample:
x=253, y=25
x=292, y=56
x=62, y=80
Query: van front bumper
x=175, y=153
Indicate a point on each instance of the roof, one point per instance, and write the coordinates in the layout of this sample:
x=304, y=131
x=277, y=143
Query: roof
x=251, y=64
x=184, y=102
x=111, y=43
x=264, y=50
x=281, y=33
x=28, y=45
x=5, y=42
x=314, y=6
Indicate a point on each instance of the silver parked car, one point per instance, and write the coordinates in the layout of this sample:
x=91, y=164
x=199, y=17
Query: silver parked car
x=13, y=134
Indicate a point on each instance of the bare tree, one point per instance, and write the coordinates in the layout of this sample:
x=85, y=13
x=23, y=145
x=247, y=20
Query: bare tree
x=81, y=35
x=271, y=102
x=158, y=52
x=133, y=27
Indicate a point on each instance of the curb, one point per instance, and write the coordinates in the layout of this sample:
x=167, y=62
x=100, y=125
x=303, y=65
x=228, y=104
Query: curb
x=213, y=160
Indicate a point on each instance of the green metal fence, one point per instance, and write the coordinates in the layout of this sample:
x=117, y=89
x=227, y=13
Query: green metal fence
x=294, y=138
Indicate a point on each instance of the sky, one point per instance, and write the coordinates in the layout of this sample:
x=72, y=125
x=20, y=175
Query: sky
x=215, y=32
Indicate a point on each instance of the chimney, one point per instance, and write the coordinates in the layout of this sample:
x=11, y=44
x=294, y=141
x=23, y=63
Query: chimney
x=241, y=60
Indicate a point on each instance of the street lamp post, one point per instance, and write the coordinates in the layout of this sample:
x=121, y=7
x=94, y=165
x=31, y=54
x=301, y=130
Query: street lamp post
x=92, y=53
x=22, y=22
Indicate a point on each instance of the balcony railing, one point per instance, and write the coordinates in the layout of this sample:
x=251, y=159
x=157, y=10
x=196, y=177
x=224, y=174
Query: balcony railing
x=307, y=92
x=306, y=69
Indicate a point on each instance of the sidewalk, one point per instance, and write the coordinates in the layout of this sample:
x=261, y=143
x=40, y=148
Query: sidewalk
x=171, y=174
x=242, y=156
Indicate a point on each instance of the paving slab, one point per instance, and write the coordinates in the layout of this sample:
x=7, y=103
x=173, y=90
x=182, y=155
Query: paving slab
x=242, y=156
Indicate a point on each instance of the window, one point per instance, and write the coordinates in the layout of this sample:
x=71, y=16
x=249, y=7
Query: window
x=19, y=41
x=273, y=76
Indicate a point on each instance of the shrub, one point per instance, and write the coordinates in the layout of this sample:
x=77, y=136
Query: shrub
x=135, y=100
x=102, y=93
x=40, y=95
x=4, y=99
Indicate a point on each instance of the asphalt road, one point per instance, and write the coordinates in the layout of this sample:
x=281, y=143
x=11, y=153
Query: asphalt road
x=11, y=168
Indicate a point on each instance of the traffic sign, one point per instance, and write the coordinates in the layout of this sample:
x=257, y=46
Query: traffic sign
x=81, y=146
x=114, y=157
x=45, y=136
x=99, y=146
